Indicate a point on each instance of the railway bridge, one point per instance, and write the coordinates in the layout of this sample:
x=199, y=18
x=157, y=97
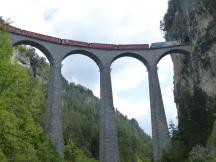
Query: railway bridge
x=57, y=49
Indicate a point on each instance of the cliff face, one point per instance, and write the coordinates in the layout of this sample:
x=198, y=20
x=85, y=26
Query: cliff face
x=193, y=21
x=38, y=65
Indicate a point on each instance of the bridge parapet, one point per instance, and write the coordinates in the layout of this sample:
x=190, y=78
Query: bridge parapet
x=133, y=46
x=103, y=46
x=69, y=42
x=74, y=43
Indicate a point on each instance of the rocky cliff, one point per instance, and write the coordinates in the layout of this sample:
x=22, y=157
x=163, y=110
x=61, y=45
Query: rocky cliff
x=31, y=60
x=193, y=21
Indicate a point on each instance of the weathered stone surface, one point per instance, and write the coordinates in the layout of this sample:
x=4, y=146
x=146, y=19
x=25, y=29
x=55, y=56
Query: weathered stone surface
x=53, y=125
x=109, y=150
x=160, y=132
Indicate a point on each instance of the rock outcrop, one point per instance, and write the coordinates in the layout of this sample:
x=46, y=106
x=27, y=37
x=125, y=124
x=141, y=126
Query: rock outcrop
x=195, y=22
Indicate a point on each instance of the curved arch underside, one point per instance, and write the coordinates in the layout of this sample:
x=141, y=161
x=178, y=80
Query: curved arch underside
x=37, y=45
x=90, y=55
x=174, y=51
x=133, y=55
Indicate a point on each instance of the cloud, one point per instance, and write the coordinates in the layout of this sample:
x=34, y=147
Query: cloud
x=132, y=110
x=127, y=73
x=106, y=21
x=49, y=13
x=166, y=82
x=81, y=70
x=130, y=90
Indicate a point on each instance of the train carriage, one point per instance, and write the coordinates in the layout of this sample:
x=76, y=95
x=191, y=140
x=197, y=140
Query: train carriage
x=164, y=44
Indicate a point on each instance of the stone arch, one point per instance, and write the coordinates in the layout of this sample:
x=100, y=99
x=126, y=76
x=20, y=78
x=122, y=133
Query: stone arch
x=174, y=51
x=163, y=143
x=139, y=59
x=90, y=55
x=133, y=55
x=37, y=45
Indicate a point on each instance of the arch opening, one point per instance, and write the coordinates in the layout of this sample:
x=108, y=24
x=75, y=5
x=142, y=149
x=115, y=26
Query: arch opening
x=131, y=55
x=37, y=46
x=179, y=52
x=81, y=105
x=85, y=53
x=168, y=81
x=131, y=101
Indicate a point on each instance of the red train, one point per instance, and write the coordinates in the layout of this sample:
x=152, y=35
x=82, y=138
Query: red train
x=103, y=46
x=133, y=46
x=72, y=42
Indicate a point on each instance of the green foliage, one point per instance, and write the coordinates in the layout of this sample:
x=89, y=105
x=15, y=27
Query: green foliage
x=81, y=129
x=198, y=158
x=21, y=137
x=196, y=117
x=5, y=49
x=81, y=119
x=134, y=144
x=201, y=154
x=211, y=6
x=174, y=21
x=23, y=49
x=72, y=153
x=173, y=7
x=2, y=21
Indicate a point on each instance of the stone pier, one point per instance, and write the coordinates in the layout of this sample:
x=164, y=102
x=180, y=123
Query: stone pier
x=109, y=150
x=160, y=132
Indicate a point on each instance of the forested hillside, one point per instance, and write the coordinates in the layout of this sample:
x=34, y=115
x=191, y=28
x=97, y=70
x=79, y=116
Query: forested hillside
x=81, y=127
x=22, y=100
x=23, y=94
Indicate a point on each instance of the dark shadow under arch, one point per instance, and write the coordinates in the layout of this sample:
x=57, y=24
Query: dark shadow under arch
x=91, y=55
x=38, y=46
x=174, y=51
x=133, y=55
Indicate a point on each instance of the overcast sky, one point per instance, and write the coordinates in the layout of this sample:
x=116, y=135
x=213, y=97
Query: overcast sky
x=103, y=21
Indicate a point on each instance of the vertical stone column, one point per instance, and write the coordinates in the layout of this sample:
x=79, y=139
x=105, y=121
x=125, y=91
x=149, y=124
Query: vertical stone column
x=160, y=132
x=109, y=150
x=53, y=124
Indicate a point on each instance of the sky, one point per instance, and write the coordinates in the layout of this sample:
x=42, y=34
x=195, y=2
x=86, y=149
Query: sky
x=104, y=21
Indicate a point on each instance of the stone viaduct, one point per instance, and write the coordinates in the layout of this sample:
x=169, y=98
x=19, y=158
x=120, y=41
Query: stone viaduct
x=57, y=49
